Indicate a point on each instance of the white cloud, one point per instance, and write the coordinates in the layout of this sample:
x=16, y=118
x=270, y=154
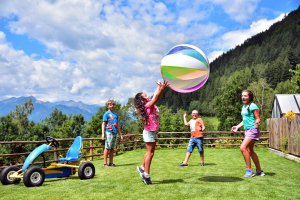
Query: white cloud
x=91, y=54
x=106, y=49
x=21, y=75
x=231, y=39
x=61, y=25
x=238, y=10
x=80, y=84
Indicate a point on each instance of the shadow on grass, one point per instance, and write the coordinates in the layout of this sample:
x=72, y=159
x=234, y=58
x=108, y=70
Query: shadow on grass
x=168, y=181
x=209, y=164
x=128, y=164
x=220, y=179
x=18, y=185
x=61, y=179
x=270, y=173
x=72, y=177
x=206, y=164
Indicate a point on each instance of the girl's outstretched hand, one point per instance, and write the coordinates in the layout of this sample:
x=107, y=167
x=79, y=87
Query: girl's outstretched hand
x=162, y=85
x=166, y=84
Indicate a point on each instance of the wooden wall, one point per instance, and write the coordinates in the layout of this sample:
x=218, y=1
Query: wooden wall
x=284, y=135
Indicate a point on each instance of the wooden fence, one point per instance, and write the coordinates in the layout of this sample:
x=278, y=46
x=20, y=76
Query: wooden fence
x=284, y=135
x=93, y=147
x=211, y=139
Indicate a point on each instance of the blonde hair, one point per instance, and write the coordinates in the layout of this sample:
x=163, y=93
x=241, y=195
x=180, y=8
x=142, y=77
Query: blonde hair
x=110, y=101
x=195, y=111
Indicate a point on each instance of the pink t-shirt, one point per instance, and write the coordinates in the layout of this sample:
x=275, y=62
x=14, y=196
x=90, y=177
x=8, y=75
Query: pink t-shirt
x=153, y=118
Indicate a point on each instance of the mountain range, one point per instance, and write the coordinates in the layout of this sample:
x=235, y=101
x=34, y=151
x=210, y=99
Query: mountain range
x=43, y=109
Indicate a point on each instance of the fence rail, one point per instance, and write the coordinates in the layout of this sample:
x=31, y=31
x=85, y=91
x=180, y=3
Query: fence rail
x=93, y=147
x=211, y=139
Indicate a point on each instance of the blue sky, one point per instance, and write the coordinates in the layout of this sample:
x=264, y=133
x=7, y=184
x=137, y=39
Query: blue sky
x=94, y=50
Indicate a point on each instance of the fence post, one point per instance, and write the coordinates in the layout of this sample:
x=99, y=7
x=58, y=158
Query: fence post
x=55, y=154
x=91, y=149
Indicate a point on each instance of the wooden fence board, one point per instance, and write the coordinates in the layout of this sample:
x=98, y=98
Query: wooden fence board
x=294, y=145
x=283, y=133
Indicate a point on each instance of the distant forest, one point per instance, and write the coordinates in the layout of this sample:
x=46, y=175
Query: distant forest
x=264, y=63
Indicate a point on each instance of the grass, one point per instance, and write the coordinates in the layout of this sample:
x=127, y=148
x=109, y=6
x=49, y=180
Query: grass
x=221, y=178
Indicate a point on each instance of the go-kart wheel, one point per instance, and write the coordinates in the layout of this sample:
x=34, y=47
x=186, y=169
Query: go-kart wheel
x=34, y=176
x=86, y=170
x=5, y=175
x=52, y=141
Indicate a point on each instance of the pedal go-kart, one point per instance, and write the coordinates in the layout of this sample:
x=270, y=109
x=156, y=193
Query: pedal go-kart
x=35, y=175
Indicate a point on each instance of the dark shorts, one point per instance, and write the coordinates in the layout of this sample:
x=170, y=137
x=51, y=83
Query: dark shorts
x=195, y=142
x=253, y=134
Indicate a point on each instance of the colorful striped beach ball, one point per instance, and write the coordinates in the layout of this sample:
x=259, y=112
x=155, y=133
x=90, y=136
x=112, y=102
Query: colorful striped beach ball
x=185, y=67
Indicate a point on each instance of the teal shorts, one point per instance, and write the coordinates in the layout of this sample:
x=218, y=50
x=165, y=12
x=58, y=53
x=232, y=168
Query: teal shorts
x=111, y=140
x=149, y=136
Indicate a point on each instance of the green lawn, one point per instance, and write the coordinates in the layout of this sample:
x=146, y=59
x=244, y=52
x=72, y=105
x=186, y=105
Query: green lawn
x=221, y=178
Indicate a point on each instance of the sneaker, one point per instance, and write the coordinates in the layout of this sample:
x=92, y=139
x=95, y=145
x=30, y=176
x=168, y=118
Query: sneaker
x=183, y=165
x=261, y=173
x=146, y=179
x=140, y=170
x=249, y=173
x=105, y=165
x=111, y=165
x=202, y=164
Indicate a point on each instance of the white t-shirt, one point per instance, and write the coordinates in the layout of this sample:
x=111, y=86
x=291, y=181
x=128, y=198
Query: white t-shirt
x=193, y=124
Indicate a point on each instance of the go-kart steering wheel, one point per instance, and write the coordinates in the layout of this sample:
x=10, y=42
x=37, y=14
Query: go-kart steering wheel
x=52, y=141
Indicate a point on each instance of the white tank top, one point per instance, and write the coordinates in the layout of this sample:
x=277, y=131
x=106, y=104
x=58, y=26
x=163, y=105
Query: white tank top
x=193, y=124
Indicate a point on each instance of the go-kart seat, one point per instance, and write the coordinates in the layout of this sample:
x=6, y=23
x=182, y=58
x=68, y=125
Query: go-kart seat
x=73, y=153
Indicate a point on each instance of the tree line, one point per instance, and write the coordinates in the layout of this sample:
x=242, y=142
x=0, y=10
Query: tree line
x=17, y=126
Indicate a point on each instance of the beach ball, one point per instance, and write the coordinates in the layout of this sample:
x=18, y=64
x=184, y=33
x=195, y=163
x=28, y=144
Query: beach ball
x=185, y=67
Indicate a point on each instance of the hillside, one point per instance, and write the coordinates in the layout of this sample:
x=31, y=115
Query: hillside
x=267, y=56
x=43, y=109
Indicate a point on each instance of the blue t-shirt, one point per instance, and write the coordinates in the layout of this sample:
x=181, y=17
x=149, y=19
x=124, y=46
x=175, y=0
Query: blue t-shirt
x=111, y=120
x=248, y=115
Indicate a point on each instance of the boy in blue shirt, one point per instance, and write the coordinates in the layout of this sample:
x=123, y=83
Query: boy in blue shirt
x=111, y=129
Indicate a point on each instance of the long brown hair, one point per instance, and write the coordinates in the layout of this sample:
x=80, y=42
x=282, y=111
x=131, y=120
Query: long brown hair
x=139, y=103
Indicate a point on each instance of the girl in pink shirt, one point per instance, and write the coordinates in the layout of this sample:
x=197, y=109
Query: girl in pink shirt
x=153, y=117
x=148, y=112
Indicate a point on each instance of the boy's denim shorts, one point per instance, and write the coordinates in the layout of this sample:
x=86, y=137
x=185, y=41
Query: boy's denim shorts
x=111, y=140
x=149, y=136
x=195, y=142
